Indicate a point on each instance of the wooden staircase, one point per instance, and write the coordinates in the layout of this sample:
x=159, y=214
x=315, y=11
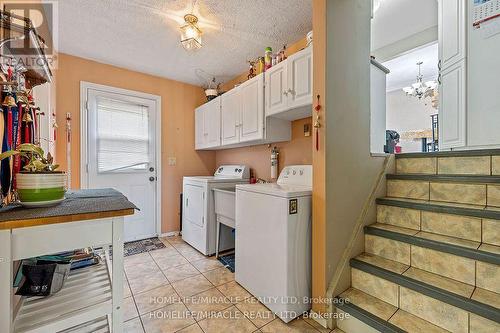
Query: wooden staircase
x=432, y=259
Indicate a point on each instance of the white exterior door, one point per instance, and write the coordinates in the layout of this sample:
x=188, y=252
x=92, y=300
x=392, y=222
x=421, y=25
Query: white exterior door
x=299, y=73
x=230, y=113
x=452, y=107
x=121, y=154
x=276, y=89
x=252, y=109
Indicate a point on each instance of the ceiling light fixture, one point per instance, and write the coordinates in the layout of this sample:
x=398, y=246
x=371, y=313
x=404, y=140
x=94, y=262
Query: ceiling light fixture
x=419, y=88
x=190, y=33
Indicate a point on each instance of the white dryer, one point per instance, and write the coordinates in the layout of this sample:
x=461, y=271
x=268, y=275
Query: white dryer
x=273, y=241
x=198, y=208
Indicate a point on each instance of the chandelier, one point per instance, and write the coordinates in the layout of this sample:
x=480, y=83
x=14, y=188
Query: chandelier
x=420, y=89
x=190, y=33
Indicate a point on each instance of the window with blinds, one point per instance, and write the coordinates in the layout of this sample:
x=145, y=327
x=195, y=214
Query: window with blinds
x=122, y=136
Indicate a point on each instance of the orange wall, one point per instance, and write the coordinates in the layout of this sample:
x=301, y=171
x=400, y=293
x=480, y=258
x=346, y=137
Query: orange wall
x=258, y=158
x=178, y=100
x=319, y=282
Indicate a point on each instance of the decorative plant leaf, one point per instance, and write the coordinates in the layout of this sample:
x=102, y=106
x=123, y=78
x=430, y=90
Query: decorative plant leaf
x=8, y=153
x=35, y=155
x=31, y=148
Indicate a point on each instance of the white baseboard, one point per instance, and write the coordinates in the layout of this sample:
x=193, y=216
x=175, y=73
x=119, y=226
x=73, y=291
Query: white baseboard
x=170, y=234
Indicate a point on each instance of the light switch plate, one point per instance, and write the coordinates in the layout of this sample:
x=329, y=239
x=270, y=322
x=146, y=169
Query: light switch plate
x=172, y=161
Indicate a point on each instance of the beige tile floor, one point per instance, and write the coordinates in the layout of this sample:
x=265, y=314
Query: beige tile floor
x=177, y=289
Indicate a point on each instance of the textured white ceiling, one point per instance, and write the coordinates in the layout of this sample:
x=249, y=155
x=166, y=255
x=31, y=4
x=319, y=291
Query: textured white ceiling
x=143, y=35
x=404, y=69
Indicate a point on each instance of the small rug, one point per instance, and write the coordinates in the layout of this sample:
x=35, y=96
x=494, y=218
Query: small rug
x=228, y=261
x=141, y=246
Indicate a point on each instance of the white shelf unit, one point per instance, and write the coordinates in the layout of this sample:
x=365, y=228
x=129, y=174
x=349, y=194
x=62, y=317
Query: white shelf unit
x=89, y=296
x=100, y=325
x=86, y=294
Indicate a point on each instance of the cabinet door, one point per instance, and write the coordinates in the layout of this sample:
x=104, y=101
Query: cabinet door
x=252, y=109
x=276, y=89
x=199, y=130
x=211, y=121
x=452, y=31
x=300, y=78
x=230, y=114
x=452, y=107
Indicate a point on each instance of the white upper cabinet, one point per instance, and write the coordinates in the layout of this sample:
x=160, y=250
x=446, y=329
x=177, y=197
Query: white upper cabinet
x=199, y=131
x=452, y=32
x=452, y=107
x=211, y=122
x=252, y=109
x=276, y=89
x=452, y=73
x=207, y=125
x=230, y=114
x=299, y=70
x=289, y=87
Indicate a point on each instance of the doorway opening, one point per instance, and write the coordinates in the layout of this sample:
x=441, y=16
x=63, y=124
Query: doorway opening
x=405, y=42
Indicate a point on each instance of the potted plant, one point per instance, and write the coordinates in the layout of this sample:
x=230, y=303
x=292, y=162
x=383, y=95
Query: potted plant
x=39, y=184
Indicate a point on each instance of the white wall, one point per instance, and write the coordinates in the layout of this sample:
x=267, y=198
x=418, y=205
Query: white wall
x=406, y=113
x=402, y=25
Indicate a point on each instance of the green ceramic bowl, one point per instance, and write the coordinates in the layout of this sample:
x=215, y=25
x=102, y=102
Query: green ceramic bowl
x=41, y=194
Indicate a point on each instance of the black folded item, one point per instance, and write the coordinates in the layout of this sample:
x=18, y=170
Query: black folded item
x=43, y=279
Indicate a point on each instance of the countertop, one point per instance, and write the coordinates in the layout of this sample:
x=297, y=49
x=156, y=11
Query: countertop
x=79, y=205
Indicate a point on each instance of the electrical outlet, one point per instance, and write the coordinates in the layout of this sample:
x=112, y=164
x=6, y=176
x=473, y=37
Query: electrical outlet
x=172, y=161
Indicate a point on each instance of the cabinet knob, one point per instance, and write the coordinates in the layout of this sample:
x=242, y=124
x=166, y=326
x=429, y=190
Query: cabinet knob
x=291, y=91
x=285, y=93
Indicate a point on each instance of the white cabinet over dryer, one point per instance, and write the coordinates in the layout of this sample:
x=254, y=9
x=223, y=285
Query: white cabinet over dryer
x=238, y=118
x=207, y=125
x=289, y=87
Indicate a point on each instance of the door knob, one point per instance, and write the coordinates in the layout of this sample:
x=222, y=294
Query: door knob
x=151, y=179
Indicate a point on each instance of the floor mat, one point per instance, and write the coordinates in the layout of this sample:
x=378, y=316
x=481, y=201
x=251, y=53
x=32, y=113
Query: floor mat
x=143, y=245
x=228, y=261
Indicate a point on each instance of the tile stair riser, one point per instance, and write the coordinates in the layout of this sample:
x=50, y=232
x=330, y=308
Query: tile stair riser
x=400, y=217
x=416, y=166
x=350, y=324
x=445, y=264
x=439, y=300
x=449, y=192
x=388, y=249
x=495, y=165
x=436, y=312
x=470, y=271
x=438, y=309
x=409, y=189
x=372, y=285
x=483, y=254
x=486, y=230
x=467, y=165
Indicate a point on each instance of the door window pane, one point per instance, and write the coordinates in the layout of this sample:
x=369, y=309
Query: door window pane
x=122, y=136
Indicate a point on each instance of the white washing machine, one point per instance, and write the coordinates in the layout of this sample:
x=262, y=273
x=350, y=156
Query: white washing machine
x=198, y=208
x=273, y=241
